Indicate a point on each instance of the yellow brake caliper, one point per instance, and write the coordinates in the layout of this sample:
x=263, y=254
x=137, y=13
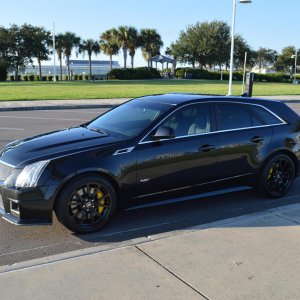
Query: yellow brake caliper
x=270, y=173
x=101, y=200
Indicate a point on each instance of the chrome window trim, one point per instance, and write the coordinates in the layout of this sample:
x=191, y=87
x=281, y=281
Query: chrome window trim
x=218, y=131
x=192, y=186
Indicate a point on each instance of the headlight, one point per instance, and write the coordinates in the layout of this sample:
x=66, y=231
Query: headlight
x=31, y=174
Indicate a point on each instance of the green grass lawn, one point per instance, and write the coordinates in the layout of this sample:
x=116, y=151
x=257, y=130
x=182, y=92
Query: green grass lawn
x=129, y=89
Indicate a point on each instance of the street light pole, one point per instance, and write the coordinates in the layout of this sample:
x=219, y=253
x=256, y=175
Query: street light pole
x=54, y=66
x=295, y=73
x=232, y=42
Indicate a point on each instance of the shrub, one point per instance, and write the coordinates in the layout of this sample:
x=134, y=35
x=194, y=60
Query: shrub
x=44, y=78
x=134, y=74
x=75, y=76
x=12, y=77
x=25, y=77
x=50, y=78
x=190, y=73
x=65, y=77
x=80, y=77
x=86, y=77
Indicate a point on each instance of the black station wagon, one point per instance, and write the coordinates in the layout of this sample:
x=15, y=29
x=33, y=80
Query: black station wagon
x=151, y=148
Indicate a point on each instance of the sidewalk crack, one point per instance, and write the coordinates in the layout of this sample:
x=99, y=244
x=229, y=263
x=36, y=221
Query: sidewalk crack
x=172, y=273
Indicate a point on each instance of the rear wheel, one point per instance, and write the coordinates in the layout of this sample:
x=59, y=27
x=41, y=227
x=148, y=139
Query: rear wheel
x=277, y=176
x=86, y=204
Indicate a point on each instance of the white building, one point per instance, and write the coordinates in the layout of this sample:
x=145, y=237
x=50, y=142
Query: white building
x=80, y=67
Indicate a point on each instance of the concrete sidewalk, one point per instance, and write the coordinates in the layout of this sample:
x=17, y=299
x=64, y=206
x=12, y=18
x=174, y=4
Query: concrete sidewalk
x=92, y=103
x=249, y=257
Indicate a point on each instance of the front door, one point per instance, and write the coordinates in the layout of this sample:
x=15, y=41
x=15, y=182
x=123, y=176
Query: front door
x=183, y=161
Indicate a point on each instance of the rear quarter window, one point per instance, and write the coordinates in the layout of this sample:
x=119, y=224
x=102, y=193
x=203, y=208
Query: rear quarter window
x=268, y=117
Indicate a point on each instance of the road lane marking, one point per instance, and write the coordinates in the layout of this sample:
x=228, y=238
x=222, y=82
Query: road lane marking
x=136, y=229
x=31, y=249
x=41, y=118
x=9, y=128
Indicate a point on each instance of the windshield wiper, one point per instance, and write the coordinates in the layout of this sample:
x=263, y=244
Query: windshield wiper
x=97, y=130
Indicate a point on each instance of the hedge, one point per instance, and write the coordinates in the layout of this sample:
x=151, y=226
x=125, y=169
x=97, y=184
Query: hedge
x=189, y=73
x=136, y=73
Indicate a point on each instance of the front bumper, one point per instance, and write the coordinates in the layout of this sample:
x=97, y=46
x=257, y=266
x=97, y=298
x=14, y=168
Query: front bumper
x=30, y=206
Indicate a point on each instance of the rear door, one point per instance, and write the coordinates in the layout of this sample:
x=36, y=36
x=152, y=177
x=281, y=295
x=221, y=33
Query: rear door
x=243, y=138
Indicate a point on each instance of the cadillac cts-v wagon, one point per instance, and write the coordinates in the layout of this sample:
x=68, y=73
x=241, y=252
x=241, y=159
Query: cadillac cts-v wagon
x=150, y=148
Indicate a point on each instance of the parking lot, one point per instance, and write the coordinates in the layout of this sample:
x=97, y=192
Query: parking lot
x=24, y=243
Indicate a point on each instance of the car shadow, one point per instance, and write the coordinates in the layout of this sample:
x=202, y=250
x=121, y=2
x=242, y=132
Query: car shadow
x=146, y=222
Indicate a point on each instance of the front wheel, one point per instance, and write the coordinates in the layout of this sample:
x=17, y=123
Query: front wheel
x=86, y=204
x=277, y=176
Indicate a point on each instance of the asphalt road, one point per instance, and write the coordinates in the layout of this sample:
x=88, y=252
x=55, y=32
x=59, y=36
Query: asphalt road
x=24, y=243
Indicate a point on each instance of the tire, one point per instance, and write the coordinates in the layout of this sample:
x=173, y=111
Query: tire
x=86, y=204
x=277, y=176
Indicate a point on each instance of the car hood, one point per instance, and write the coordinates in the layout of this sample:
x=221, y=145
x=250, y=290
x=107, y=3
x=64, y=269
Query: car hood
x=54, y=144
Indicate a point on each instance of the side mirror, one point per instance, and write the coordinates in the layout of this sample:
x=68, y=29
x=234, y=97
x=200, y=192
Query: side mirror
x=163, y=132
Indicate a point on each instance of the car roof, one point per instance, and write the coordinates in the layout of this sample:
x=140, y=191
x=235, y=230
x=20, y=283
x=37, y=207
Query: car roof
x=181, y=98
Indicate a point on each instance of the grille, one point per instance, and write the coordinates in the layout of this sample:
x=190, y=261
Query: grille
x=1, y=202
x=5, y=171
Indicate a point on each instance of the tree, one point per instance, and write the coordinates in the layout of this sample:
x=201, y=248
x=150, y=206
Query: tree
x=122, y=37
x=90, y=46
x=206, y=43
x=18, y=46
x=39, y=41
x=134, y=42
x=240, y=47
x=109, y=45
x=4, y=48
x=286, y=60
x=265, y=58
x=69, y=41
x=59, y=38
x=151, y=43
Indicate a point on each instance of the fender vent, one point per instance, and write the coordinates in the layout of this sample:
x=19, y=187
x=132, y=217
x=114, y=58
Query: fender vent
x=123, y=151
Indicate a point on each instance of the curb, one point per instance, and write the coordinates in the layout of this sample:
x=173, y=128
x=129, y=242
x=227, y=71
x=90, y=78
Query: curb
x=56, y=107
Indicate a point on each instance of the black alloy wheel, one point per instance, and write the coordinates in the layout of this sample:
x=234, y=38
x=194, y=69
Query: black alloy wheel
x=86, y=204
x=278, y=176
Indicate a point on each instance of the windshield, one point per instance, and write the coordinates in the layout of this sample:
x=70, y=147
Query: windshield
x=131, y=118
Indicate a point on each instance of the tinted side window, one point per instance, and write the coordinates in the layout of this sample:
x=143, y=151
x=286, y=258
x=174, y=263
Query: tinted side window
x=265, y=115
x=232, y=116
x=190, y=120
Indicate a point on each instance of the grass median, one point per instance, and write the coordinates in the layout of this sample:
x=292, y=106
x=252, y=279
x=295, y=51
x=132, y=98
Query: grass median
x=130, y=89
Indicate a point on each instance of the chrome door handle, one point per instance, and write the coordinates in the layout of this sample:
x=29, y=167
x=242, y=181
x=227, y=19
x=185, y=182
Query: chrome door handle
x=206, y=148
x=257, y=139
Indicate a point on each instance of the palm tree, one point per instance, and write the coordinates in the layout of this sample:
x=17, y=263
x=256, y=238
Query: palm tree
x=90, y=46
x=151, y=43
x=59, y=50
x=123, y=37
x=109, y=45
x=134, y=42
x=70, y=41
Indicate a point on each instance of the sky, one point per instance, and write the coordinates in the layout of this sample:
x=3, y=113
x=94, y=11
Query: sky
x=263, y=23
